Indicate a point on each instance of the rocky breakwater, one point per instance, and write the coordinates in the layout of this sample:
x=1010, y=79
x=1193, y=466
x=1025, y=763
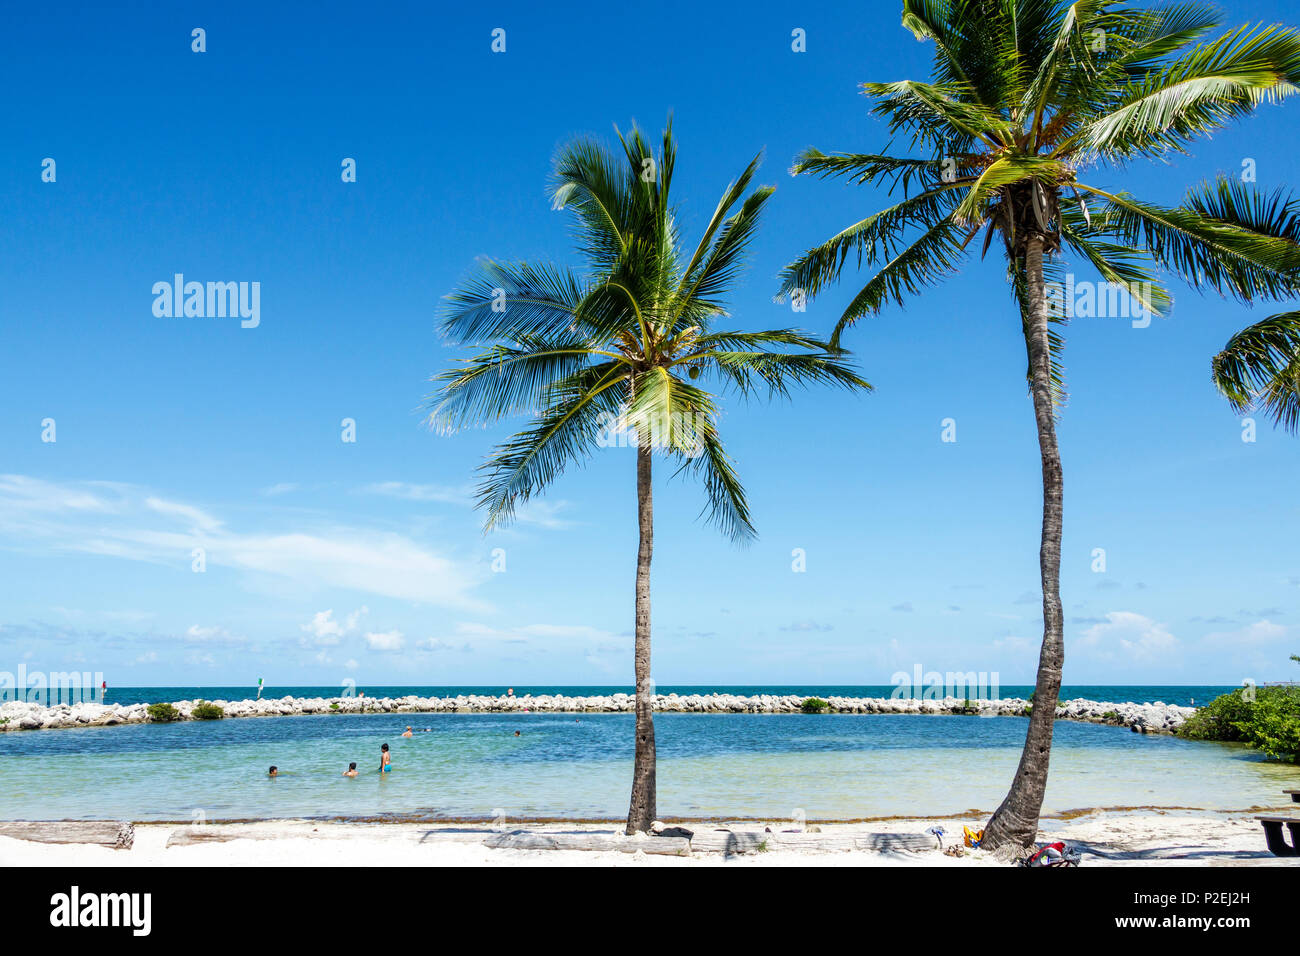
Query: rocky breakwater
x=1141, y=718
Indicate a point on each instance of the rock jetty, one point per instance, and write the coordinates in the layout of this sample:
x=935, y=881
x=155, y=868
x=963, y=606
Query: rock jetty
x=1141, y=718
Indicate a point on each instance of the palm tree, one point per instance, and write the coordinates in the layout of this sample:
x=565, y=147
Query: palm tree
x=622, y=352
x=1026, y=96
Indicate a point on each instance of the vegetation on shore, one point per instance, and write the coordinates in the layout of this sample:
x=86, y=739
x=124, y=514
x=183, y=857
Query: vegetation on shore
x=207, y=711
x=163, y=713
x=1264, y=717
x=1270, y=721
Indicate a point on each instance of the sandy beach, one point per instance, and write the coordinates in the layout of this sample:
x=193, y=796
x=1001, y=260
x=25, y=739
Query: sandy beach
x=1105, y=838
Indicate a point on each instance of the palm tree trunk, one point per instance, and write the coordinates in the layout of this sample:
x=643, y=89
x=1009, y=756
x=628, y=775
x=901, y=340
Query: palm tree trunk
x=1016, y=820
x=642, y=811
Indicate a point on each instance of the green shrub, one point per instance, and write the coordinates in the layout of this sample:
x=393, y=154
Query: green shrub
x=163, y=713
x=334, y=705
x=815, y=705
x=1270, y=722
x=205, y=711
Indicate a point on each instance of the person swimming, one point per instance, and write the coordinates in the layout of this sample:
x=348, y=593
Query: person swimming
x=274, y=771
x=385, y=760
x=408, y=733
x=352, y=770
x=517, y=734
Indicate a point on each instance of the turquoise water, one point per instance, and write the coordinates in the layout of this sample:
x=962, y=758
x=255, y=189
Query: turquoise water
x=1141, y=694
x=836, y=766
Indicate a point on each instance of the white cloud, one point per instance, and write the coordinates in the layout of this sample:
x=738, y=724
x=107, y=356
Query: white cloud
x=1252, y=635
x=324, y=628
x=385, y=641
x=325, y=631
x=1128, y=636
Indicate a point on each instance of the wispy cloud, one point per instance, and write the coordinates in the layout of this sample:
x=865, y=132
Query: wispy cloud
x=537, y=513
x=121, y=521
x=439, y=494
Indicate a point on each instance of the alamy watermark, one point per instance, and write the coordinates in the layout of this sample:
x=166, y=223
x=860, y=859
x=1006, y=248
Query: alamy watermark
x=682, y=432
x=1102, y=300
x=54, y=687
x=211, y=300
x=935, y=685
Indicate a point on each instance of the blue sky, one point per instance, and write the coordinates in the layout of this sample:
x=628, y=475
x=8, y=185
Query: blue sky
x=328, y=560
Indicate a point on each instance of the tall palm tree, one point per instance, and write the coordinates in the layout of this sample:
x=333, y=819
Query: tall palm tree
x=622, y=351
x=1027, y=96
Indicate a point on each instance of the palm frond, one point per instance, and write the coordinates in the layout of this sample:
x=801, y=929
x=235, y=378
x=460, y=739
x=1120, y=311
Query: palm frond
x=564, y=434
x=1260, y=367
x=1200, y=92
x=926, y=260
x=873, y=239
x=1206, y=252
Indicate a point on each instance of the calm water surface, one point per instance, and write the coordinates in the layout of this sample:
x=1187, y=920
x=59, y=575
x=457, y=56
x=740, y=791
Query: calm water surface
x=835, y=766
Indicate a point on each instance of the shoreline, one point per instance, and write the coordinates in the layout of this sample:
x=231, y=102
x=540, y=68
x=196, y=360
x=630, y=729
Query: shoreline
x=416, y=819
x=1155, y=717
x=1103, y=838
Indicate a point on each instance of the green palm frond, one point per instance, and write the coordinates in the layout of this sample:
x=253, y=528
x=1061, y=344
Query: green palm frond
x=862, y=168
x=1229, y=200
x=1260, y=367
x=938, y=115
x=1127, y=267
x=721, y=264
x=725, y=506
x=1209, y=253
x=876, y=238
x=1202, y=91
x=933, y=256
x=505, y=380
x=750, y=360
x=565, y=433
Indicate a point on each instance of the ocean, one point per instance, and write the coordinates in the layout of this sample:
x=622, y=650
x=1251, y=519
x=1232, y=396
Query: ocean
x=472, y=766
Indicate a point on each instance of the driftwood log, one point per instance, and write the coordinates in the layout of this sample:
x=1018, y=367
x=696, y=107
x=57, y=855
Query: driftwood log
x=111, y=833
x=741, y=842
x=525, y=840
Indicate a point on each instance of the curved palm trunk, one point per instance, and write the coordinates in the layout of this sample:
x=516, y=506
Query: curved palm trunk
x=1016, y=820
x=642, y=810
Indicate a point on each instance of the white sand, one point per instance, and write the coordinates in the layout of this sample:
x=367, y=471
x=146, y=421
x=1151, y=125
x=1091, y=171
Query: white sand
x=1106, y=839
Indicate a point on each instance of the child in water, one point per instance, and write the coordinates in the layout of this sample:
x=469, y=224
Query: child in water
x=352, y=770
x=385, y=760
